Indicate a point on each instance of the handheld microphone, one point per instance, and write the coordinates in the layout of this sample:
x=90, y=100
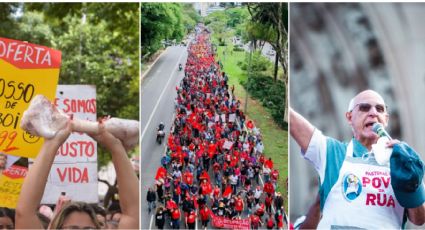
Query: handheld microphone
x=378, y=128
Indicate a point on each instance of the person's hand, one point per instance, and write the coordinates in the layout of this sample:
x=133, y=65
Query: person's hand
x=104, y=137
x=391, y=143
x=61, y=135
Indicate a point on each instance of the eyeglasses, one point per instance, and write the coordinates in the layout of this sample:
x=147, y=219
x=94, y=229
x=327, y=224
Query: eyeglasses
x=365, y=107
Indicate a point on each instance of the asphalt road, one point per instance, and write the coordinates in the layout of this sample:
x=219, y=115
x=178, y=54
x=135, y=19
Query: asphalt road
x=157, y=105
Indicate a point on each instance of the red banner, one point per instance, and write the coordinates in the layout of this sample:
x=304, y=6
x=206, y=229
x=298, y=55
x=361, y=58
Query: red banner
x=222, y=222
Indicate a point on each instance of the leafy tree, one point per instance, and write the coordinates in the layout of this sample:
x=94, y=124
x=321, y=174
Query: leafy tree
x=99, y=44
x=275, y=15
x=165, y=21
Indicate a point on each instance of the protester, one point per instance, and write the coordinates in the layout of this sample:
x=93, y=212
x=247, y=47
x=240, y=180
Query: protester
x=77, y=214
x=355, y=203
x=160, y=218
x=7, y=218
x=151, y=198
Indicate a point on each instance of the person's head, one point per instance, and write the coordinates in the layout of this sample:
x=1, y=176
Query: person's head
x=7, y=218
x=365, y=109
x=75, y=214
x=100, y=215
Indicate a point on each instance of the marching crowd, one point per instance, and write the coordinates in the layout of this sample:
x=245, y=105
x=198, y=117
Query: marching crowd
x=214, y=165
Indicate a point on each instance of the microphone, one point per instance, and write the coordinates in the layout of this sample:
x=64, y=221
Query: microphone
x=378, y=128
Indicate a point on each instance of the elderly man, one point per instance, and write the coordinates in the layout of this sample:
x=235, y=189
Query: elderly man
x=355, y=190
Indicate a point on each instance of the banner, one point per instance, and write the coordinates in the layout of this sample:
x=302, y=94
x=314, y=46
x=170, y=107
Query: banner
x=74, y=170
x=222, y=222
x=25, y=71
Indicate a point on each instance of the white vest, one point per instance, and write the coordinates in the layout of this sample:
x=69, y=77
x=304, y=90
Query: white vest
x=362, y=197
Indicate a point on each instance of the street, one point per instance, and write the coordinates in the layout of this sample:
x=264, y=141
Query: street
x=157, y=105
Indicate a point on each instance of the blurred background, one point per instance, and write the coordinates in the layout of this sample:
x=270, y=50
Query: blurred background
x=340, y=49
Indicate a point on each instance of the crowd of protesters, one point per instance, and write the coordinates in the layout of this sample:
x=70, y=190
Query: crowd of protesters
x=214, y=165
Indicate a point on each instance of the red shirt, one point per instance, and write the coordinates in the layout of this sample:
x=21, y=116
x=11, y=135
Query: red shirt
x=205, y=213
x=238, y=205
x=191, y=218
x=175, y=214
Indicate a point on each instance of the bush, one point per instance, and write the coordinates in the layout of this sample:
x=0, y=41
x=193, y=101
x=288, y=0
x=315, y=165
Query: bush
x=238, y=49
x=271, y=94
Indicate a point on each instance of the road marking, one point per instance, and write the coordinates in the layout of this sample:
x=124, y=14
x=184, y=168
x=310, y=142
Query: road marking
x=150, y=224
x=160, y=97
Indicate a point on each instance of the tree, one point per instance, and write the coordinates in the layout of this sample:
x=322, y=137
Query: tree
x=99, y=44
x=276, y=16
x=164, y=21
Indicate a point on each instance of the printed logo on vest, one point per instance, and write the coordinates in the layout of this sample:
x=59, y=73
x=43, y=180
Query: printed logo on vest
x=351, y=187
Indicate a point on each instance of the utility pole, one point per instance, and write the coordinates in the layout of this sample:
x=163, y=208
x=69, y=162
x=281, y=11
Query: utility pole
x=249, y=73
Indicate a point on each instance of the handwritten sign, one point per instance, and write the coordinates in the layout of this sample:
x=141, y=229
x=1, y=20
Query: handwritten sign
x=227, y=145
x=232, y=117
x=25, y=71
x=74, y=170
x=11, y=182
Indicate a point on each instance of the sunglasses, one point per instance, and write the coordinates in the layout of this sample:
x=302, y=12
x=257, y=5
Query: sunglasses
x=365, y=107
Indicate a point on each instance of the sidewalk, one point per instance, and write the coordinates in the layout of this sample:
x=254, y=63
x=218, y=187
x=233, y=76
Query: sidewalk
x=151, y=63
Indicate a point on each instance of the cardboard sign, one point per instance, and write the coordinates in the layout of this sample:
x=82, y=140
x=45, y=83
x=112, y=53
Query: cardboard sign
x=227, y=145
x=232, y=117
x=25, y=71
x=74, y=170
x=11, y=182
x=223, y=117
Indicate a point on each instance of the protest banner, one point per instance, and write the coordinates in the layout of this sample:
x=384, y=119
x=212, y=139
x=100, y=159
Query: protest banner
x=222, y=222
x=25, y=70
x=74, y=170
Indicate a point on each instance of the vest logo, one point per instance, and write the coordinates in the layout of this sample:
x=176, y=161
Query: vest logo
x=351, y=187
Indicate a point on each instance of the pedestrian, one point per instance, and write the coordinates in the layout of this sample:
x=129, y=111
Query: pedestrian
x=205, y=214
x=151, y=198
x=160, y=217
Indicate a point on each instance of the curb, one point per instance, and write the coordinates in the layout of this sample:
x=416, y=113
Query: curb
x=150, y=66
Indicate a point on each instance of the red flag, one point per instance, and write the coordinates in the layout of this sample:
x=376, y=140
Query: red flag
x=227, y=191
x=161, y=173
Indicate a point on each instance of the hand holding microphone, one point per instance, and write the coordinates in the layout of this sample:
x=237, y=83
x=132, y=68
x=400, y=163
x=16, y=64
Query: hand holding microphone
x=383, y=148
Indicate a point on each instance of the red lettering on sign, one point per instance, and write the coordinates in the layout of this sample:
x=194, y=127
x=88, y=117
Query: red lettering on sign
x=73, y=175
x=77, y=149
x=79, y=106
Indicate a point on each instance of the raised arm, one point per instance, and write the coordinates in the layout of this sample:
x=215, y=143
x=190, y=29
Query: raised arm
x=33, y=187
x=128, y=183
x=301, y=129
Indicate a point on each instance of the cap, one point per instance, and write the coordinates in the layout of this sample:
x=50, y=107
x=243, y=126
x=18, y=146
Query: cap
x=407, y=171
